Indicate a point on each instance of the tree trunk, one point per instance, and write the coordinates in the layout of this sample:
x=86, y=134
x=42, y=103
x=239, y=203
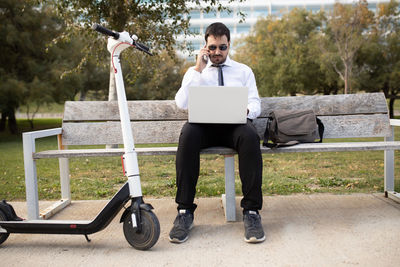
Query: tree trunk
x=112, y=93
x=391, y=107
x=32, y=116
x=346, y=77
x=12, y=122
x=3, y=121
x=112, y=90
x=31, y=123
x=9, y=114
x=83, y=95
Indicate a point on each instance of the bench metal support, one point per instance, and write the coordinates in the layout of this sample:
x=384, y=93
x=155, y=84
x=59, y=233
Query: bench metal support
x=389, y=166
x=64, y=172
x=32, y=199
x=54, y=208
x=228, y=199
x=393, y=195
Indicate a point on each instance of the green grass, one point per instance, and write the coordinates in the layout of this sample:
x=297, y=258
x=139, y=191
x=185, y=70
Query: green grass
x=45, y=108
x=100, y=178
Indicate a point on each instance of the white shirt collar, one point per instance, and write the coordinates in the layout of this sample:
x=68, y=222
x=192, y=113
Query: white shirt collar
x=228, y=61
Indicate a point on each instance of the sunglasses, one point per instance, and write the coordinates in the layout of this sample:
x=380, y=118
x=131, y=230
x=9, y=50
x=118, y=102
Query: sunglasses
x=222, y=47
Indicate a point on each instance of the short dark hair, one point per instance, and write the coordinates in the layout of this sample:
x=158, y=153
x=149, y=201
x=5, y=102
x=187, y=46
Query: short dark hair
x=217, y=29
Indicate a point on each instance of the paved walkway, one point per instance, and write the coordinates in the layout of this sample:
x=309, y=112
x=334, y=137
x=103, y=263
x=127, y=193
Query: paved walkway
x=302, y=230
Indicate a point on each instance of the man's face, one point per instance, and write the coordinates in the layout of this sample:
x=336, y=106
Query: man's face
x=216, y=47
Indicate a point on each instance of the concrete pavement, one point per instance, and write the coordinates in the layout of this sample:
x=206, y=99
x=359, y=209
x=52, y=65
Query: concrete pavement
x=302, y=230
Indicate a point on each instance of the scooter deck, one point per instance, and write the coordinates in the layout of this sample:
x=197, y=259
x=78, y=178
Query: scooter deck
x=71, y=226
x=46, y=222
x=48, y=227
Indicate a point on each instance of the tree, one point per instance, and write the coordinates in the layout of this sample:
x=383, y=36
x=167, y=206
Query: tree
x=156, y=22
x=281, y=54
x=25, y=29
x=158, y=78
x=73, y=76
x=379, y=58
x=344, y=35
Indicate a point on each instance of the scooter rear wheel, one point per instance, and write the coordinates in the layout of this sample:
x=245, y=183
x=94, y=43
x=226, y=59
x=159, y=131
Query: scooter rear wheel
x=3, y=236
x=149, y=234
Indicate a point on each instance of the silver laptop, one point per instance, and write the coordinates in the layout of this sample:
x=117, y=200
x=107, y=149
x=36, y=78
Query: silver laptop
x=218, y=104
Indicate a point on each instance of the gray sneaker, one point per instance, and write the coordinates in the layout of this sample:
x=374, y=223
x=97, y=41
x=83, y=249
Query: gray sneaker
x=182, y=225
x=254, y=232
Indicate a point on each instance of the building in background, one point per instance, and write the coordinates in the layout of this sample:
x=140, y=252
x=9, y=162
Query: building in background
x=253, y=9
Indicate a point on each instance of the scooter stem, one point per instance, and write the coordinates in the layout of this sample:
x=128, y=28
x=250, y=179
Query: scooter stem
x=130, y=156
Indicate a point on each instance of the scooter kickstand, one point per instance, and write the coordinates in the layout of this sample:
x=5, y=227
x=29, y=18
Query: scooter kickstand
x=87, y=238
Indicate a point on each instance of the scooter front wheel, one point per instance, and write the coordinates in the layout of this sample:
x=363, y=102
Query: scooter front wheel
x=3, y=236
x=149, y=234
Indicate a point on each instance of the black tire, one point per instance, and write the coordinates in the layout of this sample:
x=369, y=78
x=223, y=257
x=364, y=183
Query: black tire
x=3, y=236
x=149, y=234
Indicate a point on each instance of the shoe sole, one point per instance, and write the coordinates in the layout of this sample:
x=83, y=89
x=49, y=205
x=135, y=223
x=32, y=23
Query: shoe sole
x=176, y=240
x=254, y=239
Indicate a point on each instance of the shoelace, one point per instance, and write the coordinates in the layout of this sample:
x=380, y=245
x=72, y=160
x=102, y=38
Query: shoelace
x=254, y=222
x=182, y=219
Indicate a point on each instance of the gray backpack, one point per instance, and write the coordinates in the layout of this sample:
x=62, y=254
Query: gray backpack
x=288, y=127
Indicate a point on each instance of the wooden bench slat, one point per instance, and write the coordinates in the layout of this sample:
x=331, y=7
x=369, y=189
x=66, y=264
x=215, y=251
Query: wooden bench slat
x=310, y=147
x=108, y=110
x=328, y=105
x=73, y=153
x=98, y=133
x=376, y=125
x=113, y=152
x=335, y=147
x=323, y=105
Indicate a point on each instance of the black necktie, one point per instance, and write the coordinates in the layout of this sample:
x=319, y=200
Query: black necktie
x=220, y=74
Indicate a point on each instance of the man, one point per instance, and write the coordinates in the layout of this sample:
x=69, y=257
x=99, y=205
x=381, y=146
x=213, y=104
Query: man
x=214, y=67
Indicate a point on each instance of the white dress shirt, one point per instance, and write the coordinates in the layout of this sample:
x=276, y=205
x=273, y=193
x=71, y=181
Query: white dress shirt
x=235, y=74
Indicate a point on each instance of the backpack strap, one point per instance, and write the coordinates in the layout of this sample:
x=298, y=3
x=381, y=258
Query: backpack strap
x=266, y=135
x=289, y=143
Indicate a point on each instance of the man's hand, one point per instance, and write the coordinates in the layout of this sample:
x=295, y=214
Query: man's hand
x=200, y=62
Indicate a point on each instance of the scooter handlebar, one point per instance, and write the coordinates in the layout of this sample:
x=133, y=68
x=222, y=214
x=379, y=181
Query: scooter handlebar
x=105, y=31
x=116, y=36
x=143, y=48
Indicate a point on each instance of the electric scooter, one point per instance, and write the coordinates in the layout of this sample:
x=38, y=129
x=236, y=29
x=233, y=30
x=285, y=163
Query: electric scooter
x=140, y=225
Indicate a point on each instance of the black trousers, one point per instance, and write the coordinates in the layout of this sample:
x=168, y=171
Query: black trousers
x=241, y=137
